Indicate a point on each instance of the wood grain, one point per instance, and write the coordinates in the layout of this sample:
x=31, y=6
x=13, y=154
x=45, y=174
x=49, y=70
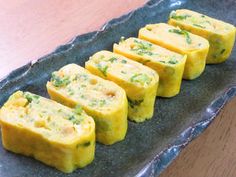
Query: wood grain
x=31, y=29
x=213, y=154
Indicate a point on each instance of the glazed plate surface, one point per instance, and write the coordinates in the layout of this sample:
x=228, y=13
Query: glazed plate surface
x=151, y=146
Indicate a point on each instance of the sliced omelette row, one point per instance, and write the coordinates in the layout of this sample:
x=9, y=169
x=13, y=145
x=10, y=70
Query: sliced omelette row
x=180, y=41
x=139, y=82
x=169, y=65
x=112, y=88
x=48, y=131
x=105, y=101
x=221, y=35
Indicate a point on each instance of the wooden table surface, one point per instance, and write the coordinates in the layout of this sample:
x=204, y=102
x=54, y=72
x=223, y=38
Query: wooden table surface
x=31, y=29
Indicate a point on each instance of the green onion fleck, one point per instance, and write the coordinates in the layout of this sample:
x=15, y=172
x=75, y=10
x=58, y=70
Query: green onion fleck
x=82, y=96
x=173, y=60
x=143, y=45
x=222, y=51
x=112, y=59
x=30, y=97
x=78, y=110
x=123, y=61
x=182, y=32
x=133, y=103
x=58, y=81
x=178, y=17
x=102, y=103
x=87, y=144
x=200, y=26
x=74, y=119
x=93, y=103
x=103, y=69
x=142, y=48
x=140, y=78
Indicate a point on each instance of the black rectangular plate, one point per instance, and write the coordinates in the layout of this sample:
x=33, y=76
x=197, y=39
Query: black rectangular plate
x=149, y=147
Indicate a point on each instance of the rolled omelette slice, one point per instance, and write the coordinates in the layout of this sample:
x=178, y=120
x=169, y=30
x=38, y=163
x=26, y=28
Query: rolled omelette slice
x=139, y=81
x=48, y=131
x=180, y=41
x=169, y=65
x=220, y=35
x=105, y=101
